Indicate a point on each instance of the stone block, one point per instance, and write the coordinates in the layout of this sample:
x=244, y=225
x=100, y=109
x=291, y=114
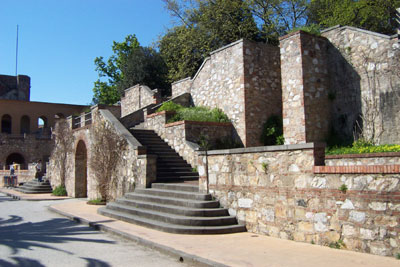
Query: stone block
x=378, y=206
x=299, y=236
x=305, y=227
x=367, y=234
x=349, y=230
x=379, y=248
x=245, y=203
x=357, y=216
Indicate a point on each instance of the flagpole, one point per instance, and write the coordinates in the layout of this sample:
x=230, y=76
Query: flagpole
x=16, y=55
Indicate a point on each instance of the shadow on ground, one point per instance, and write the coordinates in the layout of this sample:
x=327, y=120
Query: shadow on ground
x=16, y=234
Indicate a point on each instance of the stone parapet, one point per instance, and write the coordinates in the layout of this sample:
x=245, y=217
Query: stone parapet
x=138, y=97
x=386, y=158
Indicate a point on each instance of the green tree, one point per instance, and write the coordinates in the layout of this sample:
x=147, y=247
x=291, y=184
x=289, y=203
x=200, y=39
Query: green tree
x=204, y=26
x=130, y=64
x=373, y=15
x=278, y=17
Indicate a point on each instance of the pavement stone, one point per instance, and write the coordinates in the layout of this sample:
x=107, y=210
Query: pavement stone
x=240, y=249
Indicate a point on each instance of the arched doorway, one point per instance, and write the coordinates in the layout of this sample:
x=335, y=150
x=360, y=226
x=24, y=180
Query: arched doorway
x=25, y=124
x=81, y=170
x=15, y=158
x=6, y=124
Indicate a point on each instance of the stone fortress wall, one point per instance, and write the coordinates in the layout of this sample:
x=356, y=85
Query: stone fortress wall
x=15, y=87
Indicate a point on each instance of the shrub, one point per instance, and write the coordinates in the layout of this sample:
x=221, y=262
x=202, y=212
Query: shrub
x=199, y=114
x=169, y=106
x=60, y=191
x=272, y=133
x=361, y=148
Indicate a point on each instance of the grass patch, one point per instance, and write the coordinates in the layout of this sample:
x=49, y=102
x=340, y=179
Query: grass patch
x=194, y=113
x=59, y=191
x=97, y=201
x=361, y=149
x=338, y=244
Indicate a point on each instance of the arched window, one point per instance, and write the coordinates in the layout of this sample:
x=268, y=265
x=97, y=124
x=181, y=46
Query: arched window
x=25, y=124
x=15, y=158
x=6, y=124
x=42, y=122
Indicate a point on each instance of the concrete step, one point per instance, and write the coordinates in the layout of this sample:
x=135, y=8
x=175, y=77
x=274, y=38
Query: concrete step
x=172, y=218
x=173, y=172
x=33, y=191
x=180, y=187
x=178, y=210
x=172, y=228
x=173, y=193
x=173, y=201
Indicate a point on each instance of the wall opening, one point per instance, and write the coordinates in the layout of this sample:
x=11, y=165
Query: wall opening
x=6, y=124
x=42, y=122
x=81, y=170
x=25, y=124
x=15, y=158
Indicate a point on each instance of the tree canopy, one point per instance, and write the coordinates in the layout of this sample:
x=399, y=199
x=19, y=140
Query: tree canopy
x=206, y=25
x=130, y=64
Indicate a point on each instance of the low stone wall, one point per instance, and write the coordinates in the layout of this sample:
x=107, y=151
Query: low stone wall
x=184, y=136
x=388, y=158
x=275, y=192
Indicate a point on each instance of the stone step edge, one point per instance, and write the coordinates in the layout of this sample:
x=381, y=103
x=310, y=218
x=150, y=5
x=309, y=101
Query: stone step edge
x=172, y=228
x=169, y=215
x=153, y=197
x=179, y=194
x=179, y=208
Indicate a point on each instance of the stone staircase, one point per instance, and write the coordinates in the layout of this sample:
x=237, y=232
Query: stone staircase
x=35, y=187
x=175, y=208
x=173, y=203
x=170, y=166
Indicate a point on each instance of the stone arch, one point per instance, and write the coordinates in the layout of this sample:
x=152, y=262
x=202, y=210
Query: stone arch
x=81, y=170
x=25, y=125
x=17, y=158
x=6, y=124
x=42, y=122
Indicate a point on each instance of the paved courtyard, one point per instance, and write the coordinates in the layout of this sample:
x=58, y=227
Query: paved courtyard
x=31, y=235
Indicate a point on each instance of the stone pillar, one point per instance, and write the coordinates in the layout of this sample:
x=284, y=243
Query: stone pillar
x=306, y=108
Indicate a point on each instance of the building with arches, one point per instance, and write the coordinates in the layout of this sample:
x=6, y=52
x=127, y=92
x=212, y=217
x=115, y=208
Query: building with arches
x=26, y=126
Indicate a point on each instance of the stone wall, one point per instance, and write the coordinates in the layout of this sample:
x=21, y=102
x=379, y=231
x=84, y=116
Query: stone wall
x=15, y=87
x=365, y=81
x=29, y=146
x=181, y=87
x=263, y=89
x=242, y=79
x=274, y=191
x=137, y=97
x=134, y=168
x=184, y=136
x=306, y=108
x=389, y=158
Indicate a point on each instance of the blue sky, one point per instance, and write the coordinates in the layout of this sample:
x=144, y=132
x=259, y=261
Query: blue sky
x=59, y=40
